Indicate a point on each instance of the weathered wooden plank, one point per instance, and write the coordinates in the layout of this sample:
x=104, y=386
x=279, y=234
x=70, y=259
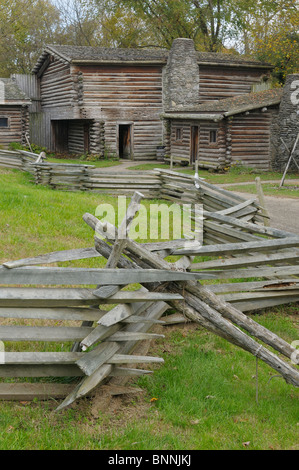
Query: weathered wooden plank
x=47, y=297
x=120, y=244
x=38, y=370
x=253, y=285
x=55, y=257
x=257, y=260
x=94, y=359
x=246, y=273
x=41, y=333
x=41, y=358
x=77, y=314
x=233, y=209
x=77, y=276
x=133, y=336
x=266, y=294
x=235, y=248
x=132, y=359
x=30, y=391
x=261, y=304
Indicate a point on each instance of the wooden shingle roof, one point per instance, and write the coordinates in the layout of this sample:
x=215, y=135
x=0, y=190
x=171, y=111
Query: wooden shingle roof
x=12, y=93
x=230, y=106
x=88, y=54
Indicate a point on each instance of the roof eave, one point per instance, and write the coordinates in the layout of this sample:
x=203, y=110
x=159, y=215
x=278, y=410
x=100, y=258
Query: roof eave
x=193, y=117
x=251, y=107
x=237, y=65
x=118, y=62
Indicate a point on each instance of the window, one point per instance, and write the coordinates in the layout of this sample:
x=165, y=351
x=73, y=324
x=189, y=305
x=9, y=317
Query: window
x=178, y=134
x=213, y=137
x=3, y=122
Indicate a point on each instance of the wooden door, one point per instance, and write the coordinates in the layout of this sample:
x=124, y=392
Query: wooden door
x=60, y=131
x=194, y=143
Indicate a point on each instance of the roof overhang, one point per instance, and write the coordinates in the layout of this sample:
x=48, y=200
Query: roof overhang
x=193, y=117
x=118, y=62
x=237, y=65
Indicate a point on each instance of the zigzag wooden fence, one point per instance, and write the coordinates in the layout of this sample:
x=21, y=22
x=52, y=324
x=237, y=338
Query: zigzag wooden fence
x=169, y=185
x=102, y=344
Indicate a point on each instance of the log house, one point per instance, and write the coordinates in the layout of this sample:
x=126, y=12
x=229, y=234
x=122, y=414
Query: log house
x=109, y=102
x=14, y=113
x=238, y=130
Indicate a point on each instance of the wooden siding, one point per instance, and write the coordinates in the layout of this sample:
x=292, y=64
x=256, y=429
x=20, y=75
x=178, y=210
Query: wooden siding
x=124, y=86
x=17, y=125
x=118, y=95
x=30, y=85
x=250, y=139
x=146, y=136
x=210, y=155
x=57, y=86
x=215, y=84
x=76, y=143
x=180, y=149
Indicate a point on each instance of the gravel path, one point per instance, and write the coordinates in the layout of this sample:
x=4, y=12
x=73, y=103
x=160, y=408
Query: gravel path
x=283, y=211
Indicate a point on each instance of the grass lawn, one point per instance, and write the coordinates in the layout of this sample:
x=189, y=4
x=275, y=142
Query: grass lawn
x=202, y=398
x=270, y=189
x=97, y=163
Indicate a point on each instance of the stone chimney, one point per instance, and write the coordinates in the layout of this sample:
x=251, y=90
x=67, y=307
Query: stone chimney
x=181, y=80
x=288, y=120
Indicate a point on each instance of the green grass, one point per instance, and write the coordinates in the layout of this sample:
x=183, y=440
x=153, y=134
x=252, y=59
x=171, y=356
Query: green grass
x=202, y=397
x=97, y=163
x=270, y=189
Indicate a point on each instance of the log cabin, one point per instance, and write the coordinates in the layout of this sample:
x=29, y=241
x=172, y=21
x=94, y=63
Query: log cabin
x=14, y=113
x=240, y=130
x=109, y=102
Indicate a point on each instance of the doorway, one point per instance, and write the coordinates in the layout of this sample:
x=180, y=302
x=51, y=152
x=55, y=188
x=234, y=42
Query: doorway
x=194, y=143
x=125, y=141
x=60, y=131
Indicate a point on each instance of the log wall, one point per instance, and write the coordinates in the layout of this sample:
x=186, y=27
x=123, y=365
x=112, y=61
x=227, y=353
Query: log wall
x=210, y=155
x=120, y=95
x=18, y=125
x=226, y=84
x=57, y=85
x=250, y=139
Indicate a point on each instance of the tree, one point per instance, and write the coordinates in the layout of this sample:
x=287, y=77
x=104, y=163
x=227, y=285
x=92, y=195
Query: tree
x=26, y=26
x=102, y=23
x=207, y=22
x=274, y=37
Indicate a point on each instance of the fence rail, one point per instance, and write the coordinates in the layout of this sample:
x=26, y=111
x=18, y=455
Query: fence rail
x=156, y=184
x=104, y=340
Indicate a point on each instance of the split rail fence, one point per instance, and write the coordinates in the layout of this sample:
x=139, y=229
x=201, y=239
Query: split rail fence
x=90, y=320
x=102, y=344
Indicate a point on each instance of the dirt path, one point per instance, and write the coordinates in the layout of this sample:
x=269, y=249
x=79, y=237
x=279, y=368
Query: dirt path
x=283, y=211
x=126, y=165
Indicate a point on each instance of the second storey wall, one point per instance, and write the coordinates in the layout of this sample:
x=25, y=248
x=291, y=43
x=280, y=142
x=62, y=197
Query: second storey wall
x=217, y=83
x=122, y=94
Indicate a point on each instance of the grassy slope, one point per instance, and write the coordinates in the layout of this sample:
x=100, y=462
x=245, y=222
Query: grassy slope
x=203, y=397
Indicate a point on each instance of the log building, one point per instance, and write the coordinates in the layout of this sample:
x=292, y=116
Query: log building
x=238, y=130
x=14, y=113
x=109, y=102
